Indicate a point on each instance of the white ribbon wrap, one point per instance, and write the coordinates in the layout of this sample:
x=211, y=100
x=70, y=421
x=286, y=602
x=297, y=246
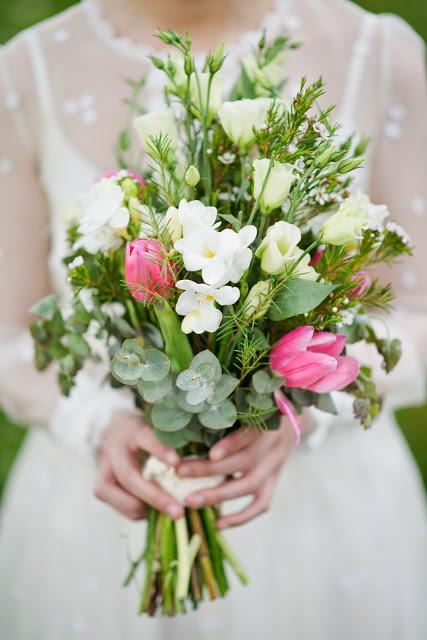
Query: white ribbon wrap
x=169, y=481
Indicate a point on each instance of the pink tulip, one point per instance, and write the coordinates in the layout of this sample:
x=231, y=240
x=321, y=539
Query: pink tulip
x=132, y=173
x=363, y=281
x=311, y=360
x=148, y=272
x=286, y=407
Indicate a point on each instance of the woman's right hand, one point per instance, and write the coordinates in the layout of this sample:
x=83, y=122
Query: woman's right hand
x=120, y=482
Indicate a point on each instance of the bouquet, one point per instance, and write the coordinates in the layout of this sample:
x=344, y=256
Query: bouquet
x=225, y=281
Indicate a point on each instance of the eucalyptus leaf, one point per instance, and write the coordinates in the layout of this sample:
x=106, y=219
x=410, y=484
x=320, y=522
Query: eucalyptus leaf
x=261, y=382
x=134, y=346
x=168, y=416
x=325, y=403
x=123, y=327
x=152, y=335
x=223, y=389
x=181, y=401
x=298, y=296
x=188, y=380
x=174, y=439
x=156, y=365
x=46, y=307
x=77, y=345
x=126, y=367
x=154, y=391
x=219, y=416
x=211, y=366
x=202, y=393
x=260, y=401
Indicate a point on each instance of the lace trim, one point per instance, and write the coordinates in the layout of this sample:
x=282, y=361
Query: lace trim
x=274, y=22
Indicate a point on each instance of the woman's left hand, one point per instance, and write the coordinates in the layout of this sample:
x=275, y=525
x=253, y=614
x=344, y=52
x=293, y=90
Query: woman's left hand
x=256, y=457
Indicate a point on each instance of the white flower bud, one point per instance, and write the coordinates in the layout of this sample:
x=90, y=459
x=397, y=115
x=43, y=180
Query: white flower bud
x=192, y=176
x=272, y=183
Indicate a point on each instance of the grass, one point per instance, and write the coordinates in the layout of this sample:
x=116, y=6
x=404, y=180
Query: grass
x=19, y=14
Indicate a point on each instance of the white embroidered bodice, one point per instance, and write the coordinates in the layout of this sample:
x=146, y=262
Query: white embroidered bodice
x=62, y=86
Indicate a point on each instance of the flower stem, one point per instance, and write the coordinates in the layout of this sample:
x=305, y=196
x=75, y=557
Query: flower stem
x=232, y=559
x=149, y=561
x=208, y=574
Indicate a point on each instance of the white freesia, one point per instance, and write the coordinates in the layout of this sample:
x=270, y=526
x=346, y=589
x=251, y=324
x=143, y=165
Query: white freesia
x=272, y=183
x=202, y=84
x=347, y=223
x=279, y=248
x=103, y=206
x=194, y=215
x=197, y=305
x=266, y=76
x=221, y=256
x=151, y=125
x=171, y=224
x=240, y=117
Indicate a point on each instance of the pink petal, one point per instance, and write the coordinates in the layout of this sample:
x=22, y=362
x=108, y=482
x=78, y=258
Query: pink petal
x=306, y=368
x=286, y=407
x=291, y=343
x=329, y=343
x=347, y=370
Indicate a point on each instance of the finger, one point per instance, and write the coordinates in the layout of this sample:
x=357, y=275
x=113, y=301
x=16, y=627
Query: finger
x=146, y=440
x=109, y=492
x=233, y=443
x=128, y=474
x=248, y=484
x=257, y=507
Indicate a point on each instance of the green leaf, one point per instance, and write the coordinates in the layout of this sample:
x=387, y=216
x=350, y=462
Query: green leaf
x=154, y=391
x=77, y=345
x=186, y=406
x=177, y=344
x=152, y=335
x=325, y=403
x=219, y=416
x=202, y=393
x=67, y=365
x=235, y=222
x=261, y=382
x=156, y=365
x=298, y=296
x=46, y=307
x=123, y=327
x=42, y=358
x=39, y=333
x=260, y=401
x=175, y=439
x=134, y=346
x=126, y=367
x=168, y=416
x=188, y=380
x=207, y=365
x=223, y=389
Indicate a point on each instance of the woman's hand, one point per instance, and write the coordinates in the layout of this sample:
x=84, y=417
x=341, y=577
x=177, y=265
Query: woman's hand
x=120, y=482
x=256, y=457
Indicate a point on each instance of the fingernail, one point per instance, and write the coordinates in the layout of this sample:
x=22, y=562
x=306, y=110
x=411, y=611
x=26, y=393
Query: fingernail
x=184, y=470
x=196, y=501
x=217, y=454
x=174, y=511
x=172, y=458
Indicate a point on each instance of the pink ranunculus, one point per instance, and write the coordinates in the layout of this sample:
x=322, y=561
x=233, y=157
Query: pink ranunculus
x=132, y=173
x=317, y=255
x=311, y=360
x=363, y=281
x=148, y=272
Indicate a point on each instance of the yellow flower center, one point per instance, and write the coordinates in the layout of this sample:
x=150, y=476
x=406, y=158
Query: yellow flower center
x=211, y=254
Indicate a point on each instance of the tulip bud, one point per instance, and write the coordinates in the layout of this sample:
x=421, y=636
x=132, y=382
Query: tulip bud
x=148, y=273
x=192, y=176
x=349, y=165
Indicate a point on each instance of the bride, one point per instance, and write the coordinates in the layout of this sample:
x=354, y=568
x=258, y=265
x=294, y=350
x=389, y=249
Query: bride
x=342, y=551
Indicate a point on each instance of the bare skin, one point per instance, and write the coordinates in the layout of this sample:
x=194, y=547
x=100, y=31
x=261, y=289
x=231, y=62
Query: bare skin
x=251, y=460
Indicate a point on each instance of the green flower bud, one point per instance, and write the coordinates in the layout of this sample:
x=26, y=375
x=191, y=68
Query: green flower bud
x=130, y=188
x=188, y=65
x=324, y=157
x=361, y=147
x=157, y=62
x=258, y=302
x=216, y=59
x=192, y=176
x=349, y=165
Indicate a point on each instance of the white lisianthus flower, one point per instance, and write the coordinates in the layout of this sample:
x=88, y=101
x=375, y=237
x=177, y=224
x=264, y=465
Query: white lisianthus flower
x=303, y=269
x=266, y=76
x=194, y=215
x=199, y=89
x=151, y=125
x=102, y=240
x=103, y=206
x=347, y=223
x=279, y=249
x=275, y=191
x=240, y=117
x=197, y=304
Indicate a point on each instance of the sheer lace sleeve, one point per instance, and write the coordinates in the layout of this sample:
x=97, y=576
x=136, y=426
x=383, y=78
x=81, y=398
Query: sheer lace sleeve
x=28, y=396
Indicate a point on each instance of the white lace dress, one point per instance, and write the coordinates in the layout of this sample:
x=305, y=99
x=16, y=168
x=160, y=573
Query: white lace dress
x=342, y=553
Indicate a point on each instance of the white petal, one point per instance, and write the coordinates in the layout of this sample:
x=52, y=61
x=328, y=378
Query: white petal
x=213, y=271
x=209, y=318
x=227, y=295
x=120, y=218
x=186, y=303
x=228, y=241
x=247, y=235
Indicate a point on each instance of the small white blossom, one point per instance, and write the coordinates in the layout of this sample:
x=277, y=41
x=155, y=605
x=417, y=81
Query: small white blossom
x=77, y=262
x=321, y=130
x=197, y=305
x=227, y=158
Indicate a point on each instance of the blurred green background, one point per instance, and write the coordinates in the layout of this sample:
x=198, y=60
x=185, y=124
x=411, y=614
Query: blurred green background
x=18, y=14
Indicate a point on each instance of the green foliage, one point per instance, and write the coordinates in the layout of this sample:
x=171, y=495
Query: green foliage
x=298, y=296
